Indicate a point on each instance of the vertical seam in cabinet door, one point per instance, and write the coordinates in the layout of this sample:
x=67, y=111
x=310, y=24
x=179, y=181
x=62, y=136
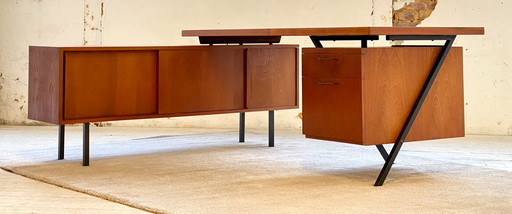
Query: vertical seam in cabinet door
x=62, y=83
x=245, y=55
x=297, y=76
x=157, y=81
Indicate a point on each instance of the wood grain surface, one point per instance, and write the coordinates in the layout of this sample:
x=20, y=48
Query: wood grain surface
x=390, y=80
x=338, y=31
x=272, y=77
x=92, y=84
x=44, y=84
x=102, y=84
x=206, y=79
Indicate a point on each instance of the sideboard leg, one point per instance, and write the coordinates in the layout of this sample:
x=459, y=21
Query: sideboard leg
x=382, y=151
x=270, y=128
x=85, y=157
x=241, y=128
x=61, y=142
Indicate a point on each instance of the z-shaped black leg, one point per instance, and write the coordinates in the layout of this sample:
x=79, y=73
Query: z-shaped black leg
x=419, y=100
x=61, y=142
x=382, y=151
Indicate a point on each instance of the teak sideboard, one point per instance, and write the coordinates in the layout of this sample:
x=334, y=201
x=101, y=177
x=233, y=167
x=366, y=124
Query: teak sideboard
x=70, y=85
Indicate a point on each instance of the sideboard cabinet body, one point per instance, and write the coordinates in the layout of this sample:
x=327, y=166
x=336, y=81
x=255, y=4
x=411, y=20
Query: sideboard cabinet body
x=91, y=84
x=364, y=95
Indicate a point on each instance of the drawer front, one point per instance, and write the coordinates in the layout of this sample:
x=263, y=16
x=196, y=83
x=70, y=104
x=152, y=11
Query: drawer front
x=332, y=66
x=332, y=109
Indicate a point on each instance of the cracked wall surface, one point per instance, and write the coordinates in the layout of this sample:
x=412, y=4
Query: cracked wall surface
x=410, y=13
x=487, y=59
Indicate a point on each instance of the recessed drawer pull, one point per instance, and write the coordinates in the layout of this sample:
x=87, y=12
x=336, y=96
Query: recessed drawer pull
x=328, y=58
x=327, y=83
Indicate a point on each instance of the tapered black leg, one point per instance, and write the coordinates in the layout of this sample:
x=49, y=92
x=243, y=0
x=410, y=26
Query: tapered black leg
x=419, y=100
x=270, y=128
x=382, y=151
x=61, y=142
x=241, y=128
x=85, y=157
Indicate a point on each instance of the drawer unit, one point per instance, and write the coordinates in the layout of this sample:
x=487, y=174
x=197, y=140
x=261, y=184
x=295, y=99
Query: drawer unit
x=363, y=95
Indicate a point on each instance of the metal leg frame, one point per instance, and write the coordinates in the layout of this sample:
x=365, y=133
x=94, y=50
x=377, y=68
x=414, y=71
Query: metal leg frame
x=270, y=128
x=419, y=100
x=61, y=142
x=364, y=39
x=241, y=128
x=85, y=158
x=390, y=158
x=382, y=151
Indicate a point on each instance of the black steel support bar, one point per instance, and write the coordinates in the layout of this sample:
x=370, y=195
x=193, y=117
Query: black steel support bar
x=85, y=158
x=241, y=128
x=419, y=100
x=238, y=39
x=270, y=128
x=382, y=151
x=316, y=41
x=420, y=37
x=364, y=39
x=61, y=142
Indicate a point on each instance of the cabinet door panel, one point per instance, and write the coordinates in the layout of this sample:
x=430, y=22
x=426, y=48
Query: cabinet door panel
x=109, y=83
x=201, y=80
x=271, y=77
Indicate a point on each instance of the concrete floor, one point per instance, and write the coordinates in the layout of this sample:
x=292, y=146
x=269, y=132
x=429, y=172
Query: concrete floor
x=23, y=195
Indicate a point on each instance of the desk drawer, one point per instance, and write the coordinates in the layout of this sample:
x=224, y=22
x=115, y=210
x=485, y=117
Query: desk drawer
x=364, y=97
x=332, y=66
x=332, y=109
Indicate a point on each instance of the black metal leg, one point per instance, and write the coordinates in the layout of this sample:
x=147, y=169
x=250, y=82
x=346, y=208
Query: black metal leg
x=382, y=151
x=270, y=128
x=241, y=128
x=61, y=142
x=415, y=109
x=316, y=42
x=85, y=158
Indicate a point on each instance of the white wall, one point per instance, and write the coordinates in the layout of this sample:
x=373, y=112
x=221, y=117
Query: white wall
x=159, y=22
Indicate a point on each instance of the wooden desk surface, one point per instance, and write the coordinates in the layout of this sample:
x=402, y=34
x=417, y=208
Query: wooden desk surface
x=339, y=31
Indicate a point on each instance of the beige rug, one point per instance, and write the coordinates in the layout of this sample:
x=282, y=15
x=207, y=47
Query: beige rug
x=213, y=173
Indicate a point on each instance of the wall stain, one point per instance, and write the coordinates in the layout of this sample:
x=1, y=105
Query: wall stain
x=412, y=13
x=93, y=25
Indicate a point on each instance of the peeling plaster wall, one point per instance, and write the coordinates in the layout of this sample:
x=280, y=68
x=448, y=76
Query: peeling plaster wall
x=159, y=22
x=24, y=23
x=410, y=13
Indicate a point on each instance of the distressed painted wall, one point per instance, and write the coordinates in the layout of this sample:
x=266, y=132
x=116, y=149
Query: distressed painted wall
x=159, y=22
x=410, y=13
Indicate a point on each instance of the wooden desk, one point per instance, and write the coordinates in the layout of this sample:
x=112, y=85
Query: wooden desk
x=373, y=96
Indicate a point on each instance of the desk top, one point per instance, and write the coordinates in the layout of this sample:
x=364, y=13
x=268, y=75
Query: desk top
x=338, y=31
